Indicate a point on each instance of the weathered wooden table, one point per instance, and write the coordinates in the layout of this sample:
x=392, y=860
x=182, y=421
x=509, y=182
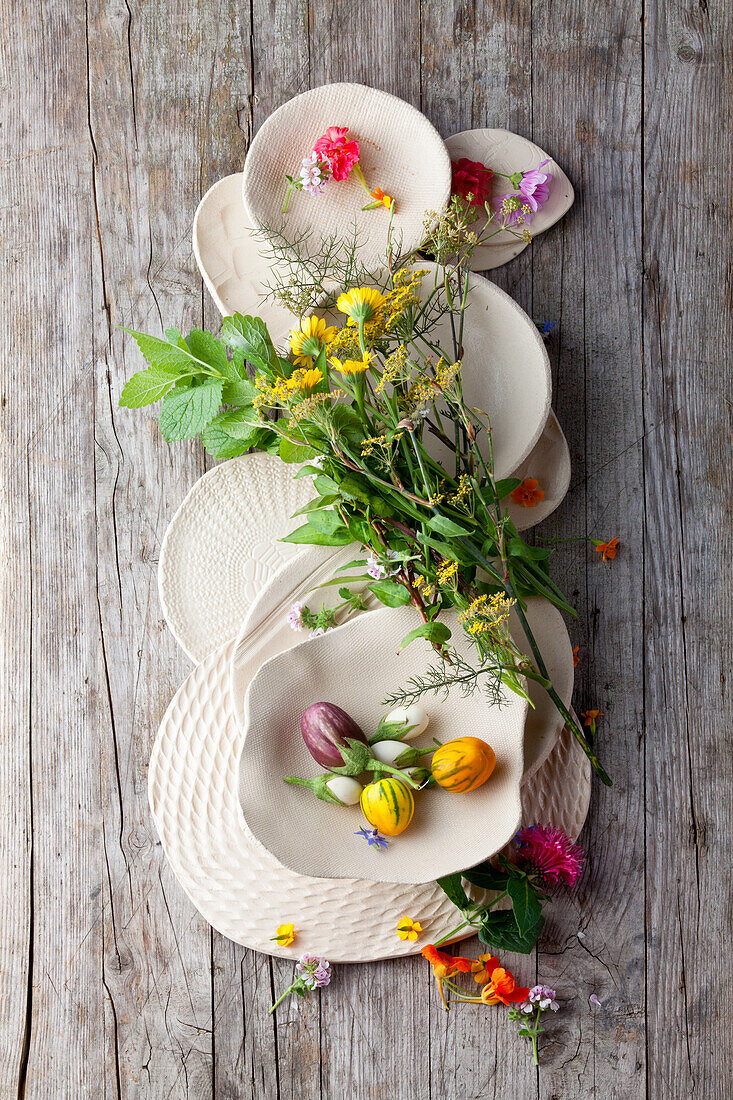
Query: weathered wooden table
x=117, y=117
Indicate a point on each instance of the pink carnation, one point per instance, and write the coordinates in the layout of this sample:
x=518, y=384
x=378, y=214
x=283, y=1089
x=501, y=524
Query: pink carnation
x=341, y=154
x=471, y=177
x=550, y=853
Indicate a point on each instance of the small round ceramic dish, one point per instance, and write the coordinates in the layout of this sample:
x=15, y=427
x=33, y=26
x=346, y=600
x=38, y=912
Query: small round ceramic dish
x=244, y=893
x=400, y=152
x=503, y=151
x=222, y=546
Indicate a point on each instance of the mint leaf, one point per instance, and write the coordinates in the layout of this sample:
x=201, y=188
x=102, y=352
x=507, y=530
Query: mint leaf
x=146, y=387
x=162, y=354
x=187, y=411
x=240, y=391
x=453, y=887
x=499, y=930
x=207, y=349
x=486, y=877
x=527, y=906
x=221, y=445
x=295, y=452
x=239, y=423
x=250, y=336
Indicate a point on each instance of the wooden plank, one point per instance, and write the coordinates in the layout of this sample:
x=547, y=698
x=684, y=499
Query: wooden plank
x=687, y=356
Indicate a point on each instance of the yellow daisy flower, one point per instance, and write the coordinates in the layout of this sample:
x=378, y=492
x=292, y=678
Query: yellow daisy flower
x=306, y=342
x=408, y=929
x=285, y=934
x=360, y=304
x=304, y=380
x=352, y=366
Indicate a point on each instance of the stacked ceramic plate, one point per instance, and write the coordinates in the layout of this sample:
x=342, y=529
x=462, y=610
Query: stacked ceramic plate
x=249, y=850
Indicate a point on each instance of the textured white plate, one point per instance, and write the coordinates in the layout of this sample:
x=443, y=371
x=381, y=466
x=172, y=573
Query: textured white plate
x=222, y=546
x=400, y=151
x=503, y=151
x=243, y=892
x=265, y=632
x=549, y=463
x=232, y=260
x=353, y=666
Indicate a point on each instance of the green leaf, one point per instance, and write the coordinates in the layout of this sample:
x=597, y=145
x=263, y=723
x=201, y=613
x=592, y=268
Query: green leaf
x=390, y=593
x=187, y=411
x=506, y=486
x=220, y=444
x=437, y=633
x=240, y=391
x=309, y=535
x=449, y=527
x=324, y=484
x=146, y=387
x=295, y=452
x=325, y=519
x=207, y=349
x=250, y=336
x=164, y=355
x=317, y=502
x=527, y=906
x=486, y=877
x=499, y=930
x=518, y=548
x=453, y=887
x=310, y=471
x=240, y=423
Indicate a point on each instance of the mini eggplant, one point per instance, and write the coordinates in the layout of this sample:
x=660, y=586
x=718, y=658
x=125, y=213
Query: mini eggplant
x=395, y=752
x=326, y=729
x=341, y=789
x=401, y=724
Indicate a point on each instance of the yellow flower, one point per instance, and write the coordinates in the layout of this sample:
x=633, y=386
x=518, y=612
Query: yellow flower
x=379, y=196
x=408, y=929
x=285, y=934
x=360, y=304
x=304, y=380
x=306, y=342
x=447, y=570
x=352, y=366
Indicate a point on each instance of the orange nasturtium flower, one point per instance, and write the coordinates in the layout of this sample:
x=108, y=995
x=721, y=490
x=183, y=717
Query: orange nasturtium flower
x=576, y=656
x=528, y=494
x=500, y=986
x=379, y=196
x=608, y=549
x=589, y=718
x=445, y=965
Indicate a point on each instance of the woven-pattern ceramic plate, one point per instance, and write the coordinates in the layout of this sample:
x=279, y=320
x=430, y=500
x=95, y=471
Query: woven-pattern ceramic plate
x=503, y=151
x=400, y=152
x=242, y=890
x=222, y=546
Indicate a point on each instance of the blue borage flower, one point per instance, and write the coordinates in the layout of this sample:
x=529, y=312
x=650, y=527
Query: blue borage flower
x=373, y=838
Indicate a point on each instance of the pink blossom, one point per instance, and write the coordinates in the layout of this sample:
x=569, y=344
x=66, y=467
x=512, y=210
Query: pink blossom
x=340, y=154
x=550, y=853
x=534, y=187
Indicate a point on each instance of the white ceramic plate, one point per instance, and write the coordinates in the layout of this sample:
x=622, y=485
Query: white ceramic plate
x=222, y=546
x=400, y=152
x=549, y=463
x=232, y=259
x=265, y=632
x=506, y=152
x=243, y=892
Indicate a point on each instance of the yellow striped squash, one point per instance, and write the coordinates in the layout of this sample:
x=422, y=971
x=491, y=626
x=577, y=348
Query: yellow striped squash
x=463, y=765
x=388, y=805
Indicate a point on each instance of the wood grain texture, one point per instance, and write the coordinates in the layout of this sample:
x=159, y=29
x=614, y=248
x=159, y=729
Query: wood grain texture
x=117, y=116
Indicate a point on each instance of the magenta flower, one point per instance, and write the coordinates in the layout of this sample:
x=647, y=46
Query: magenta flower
x=534, y=187
x=313, y=971
x=340, y=154
x=550, y=853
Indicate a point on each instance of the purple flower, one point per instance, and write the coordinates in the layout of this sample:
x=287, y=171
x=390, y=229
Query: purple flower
x=295, y=616
x=314, y=175
x=594, y=1000
x=313, y=971
x=534, y=186
x=543, y=996
x=379, y=569
x=375, y=568
x=373, y=838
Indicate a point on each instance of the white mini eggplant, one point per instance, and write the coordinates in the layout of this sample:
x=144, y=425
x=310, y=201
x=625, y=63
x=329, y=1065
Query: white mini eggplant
x=341, y=789
x=402, y=723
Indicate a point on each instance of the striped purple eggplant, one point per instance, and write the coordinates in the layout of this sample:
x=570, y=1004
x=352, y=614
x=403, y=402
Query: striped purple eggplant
x=326, y=729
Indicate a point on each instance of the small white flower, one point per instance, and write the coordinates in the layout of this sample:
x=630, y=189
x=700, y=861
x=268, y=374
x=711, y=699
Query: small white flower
x=295, y=616
x=317, y=632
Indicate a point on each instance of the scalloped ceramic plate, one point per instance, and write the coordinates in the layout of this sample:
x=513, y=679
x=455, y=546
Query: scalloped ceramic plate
x=266, y=632
x=231, y=258
x=243, y=892
x=354, y=666
x=400, y=151
x=222, y=546
x=503, y=151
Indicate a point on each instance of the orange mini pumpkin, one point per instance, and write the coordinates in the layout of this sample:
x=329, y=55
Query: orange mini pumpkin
x=463, y=765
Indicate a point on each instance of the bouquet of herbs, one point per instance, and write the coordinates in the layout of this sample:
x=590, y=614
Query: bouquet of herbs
x=359, y=402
